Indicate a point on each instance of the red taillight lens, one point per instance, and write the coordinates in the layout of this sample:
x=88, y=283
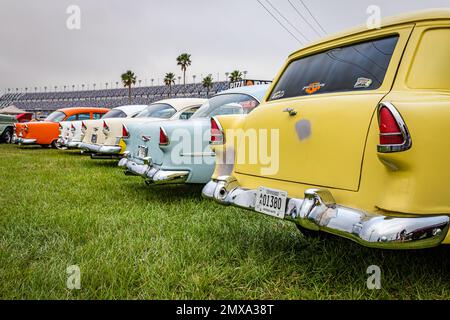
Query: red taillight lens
x=72, y=127
x=125, y=132
x=216, y=132
x=83, y=127
x=390, y=132
x=163, y=138
x=105, y=128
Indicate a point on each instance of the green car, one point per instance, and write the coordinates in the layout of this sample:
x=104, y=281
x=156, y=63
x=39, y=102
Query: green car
x=7, y=127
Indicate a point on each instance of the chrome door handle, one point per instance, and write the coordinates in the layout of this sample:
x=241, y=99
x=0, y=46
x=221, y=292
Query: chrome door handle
x=291, y=111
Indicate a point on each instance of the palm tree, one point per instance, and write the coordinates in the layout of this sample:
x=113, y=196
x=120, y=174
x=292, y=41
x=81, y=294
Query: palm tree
x=128, y=79
x=207, y=83
x=169, y=80
x=184, y=60
x=236, y=75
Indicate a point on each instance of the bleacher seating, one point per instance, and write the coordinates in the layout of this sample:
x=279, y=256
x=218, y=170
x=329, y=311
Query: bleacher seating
x=107, y=98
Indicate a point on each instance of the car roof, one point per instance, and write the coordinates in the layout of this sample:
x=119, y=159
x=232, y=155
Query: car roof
x=132, y=108
x=74, y=110
x=256, y=91
x=410, y=17
x=182, y=103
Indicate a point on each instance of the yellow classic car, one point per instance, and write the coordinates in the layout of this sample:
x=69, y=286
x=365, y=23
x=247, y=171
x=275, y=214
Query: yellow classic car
x=351, y=138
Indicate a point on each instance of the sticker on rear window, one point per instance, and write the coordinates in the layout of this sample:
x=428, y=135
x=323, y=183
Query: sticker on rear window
x=278, y=95
x=313, y=87
x=363, y=83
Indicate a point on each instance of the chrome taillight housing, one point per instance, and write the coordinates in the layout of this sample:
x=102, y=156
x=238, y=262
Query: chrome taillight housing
x=163, y=137
x=125, y=132
x=105, y=128
x=83, y=128
x=217, y=136
x=394, y=134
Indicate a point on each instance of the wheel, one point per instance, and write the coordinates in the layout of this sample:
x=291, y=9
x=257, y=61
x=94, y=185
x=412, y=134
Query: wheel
x=57, y=145
x=7, y=135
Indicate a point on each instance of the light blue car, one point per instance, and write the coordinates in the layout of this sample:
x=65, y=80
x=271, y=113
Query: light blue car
x=178, y=151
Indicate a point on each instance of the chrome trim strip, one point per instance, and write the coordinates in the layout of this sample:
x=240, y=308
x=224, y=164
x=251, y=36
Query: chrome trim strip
x=197, y=154
x=319, y=211
x=403, y=128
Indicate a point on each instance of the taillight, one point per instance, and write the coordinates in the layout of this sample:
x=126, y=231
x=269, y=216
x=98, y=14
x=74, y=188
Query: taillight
x=125, y=132
x=25, y=128
x=60, y=127
x=105, y=128
x=163, y=138
x=72, y=127
x=216, y=132
x=83, y=127
x=394, y=135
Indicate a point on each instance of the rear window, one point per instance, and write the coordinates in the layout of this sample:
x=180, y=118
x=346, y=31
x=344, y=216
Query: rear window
x=83, y=116
x=97, y=116
x=356, y=67
x=227, y=103
x=114, y=113
x=56, y=116
x=157, y=110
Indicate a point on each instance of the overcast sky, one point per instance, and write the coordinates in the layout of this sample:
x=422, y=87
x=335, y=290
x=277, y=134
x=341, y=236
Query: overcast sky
x=146, y=36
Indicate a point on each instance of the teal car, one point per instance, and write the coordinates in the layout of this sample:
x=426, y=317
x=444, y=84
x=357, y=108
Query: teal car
x=7, y=127
x=178, y=151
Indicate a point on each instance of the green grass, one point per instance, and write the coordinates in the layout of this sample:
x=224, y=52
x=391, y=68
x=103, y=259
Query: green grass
x=59, y=208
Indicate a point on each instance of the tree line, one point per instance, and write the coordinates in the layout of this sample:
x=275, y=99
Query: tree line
x=184, y=61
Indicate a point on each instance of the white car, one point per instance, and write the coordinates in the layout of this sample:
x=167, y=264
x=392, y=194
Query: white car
x=71, y=132
x=104, y=137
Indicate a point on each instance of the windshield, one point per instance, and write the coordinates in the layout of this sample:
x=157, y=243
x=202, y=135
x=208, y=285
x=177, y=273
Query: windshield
x=231, y=103
x=56, y=116
x=157, y=110
x=114, y=113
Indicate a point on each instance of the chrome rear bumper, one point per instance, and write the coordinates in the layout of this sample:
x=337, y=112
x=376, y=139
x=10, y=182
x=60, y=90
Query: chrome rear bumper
x=20, y=140
x=65, y=142
x=73, y=144
x=153, y=174
x=319, y=211
x=99, y=148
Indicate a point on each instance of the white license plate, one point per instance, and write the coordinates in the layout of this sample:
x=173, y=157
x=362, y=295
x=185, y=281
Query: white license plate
x=94, y=138
x=271, y=202
x=142, y=152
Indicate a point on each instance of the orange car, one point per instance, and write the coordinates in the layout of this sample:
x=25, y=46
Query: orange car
x=46, y=132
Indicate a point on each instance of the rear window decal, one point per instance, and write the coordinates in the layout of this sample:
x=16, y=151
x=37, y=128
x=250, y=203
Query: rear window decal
x=363, y=83
x=313, y=87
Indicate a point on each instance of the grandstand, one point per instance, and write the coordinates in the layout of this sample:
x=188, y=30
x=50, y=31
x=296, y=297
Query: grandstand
x=46, y=102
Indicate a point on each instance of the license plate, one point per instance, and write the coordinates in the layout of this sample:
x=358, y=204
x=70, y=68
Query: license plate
x=142, y=152
x=94, y=138
x=271, y=202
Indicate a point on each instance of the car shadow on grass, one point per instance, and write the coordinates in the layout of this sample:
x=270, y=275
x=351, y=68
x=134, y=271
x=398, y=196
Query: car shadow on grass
x=164, y=192
x=338, y=261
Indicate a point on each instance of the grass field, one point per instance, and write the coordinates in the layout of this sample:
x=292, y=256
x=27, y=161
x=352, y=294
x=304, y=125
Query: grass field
x=130, y=241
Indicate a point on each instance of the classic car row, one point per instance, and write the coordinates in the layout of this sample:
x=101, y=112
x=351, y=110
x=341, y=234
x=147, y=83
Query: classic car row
x=350, y=139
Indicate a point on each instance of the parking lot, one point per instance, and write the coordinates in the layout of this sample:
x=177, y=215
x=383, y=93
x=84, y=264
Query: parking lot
x=60, y=209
